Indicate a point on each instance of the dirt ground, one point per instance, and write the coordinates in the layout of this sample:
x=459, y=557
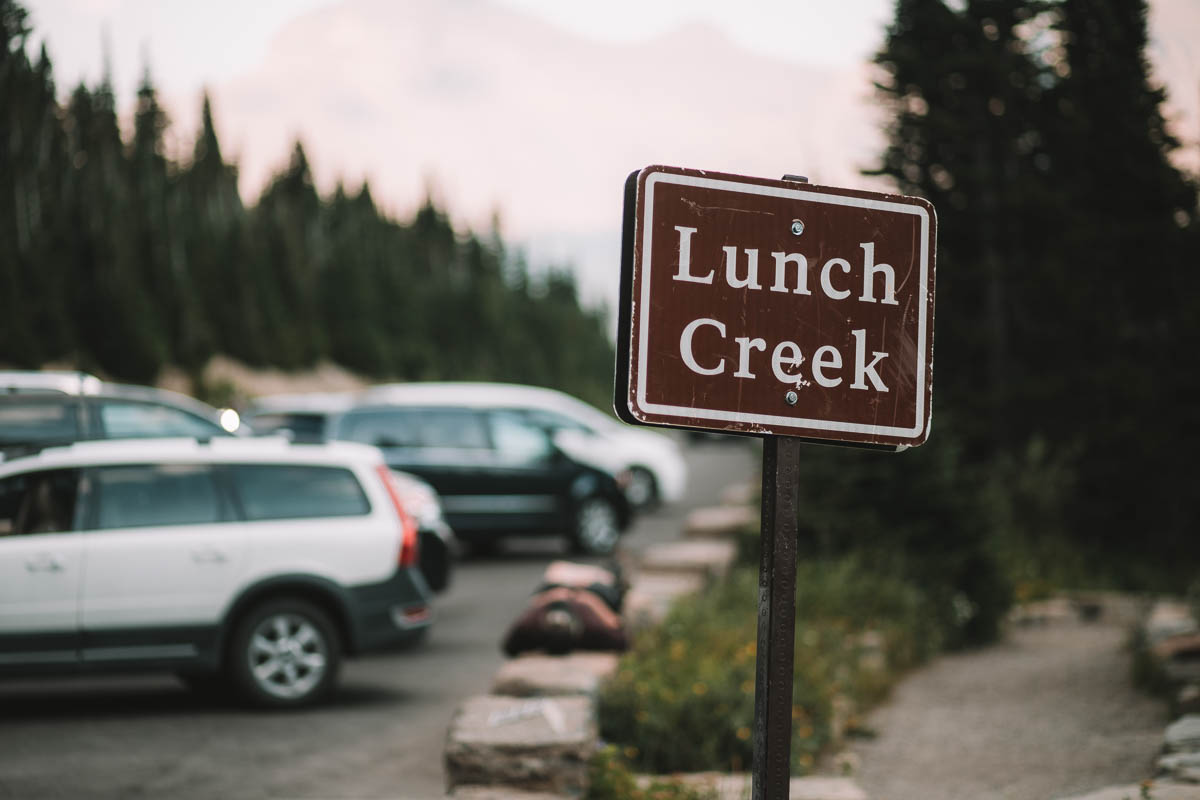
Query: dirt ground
x=1050, y=712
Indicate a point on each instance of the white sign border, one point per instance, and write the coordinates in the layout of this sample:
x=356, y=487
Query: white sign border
x=685, y=412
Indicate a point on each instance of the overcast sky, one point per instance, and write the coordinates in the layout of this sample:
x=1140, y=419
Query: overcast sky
x=190, y=44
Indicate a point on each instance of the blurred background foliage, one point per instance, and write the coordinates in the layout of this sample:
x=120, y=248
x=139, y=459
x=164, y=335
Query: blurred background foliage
x=120, y=260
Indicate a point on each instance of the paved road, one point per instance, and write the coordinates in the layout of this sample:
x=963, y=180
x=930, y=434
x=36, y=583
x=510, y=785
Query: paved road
x=381, y=737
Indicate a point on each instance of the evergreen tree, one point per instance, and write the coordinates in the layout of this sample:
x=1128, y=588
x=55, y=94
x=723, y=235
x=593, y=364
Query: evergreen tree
x=1067, y=253
x=288, y=247
x=967, y=104
x=158, y=266
x=1130, y=247
x=212, y=224
x=109, y=301
x=32, y=161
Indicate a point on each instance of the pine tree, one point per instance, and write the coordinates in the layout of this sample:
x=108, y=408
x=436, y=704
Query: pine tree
x=289, y=245
x=1067, y=260
x=1130, y=251
x=967, y=101
x=109, y=302
x=159, y=263
x=211, y=225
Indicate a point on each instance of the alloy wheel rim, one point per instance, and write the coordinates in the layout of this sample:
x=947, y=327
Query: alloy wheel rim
x=598, y=526
x=641, y=487
x=288, y=656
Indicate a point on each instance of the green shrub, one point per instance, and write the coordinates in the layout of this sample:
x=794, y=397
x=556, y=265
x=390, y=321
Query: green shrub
x=610, y=779
x=683, y=698
x=924, y=516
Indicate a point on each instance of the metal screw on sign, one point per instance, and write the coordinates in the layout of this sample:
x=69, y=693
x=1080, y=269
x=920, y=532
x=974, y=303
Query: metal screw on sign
x=791, y=398
x=797, y=225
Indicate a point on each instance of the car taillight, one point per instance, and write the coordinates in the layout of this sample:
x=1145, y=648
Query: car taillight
x=408, y=526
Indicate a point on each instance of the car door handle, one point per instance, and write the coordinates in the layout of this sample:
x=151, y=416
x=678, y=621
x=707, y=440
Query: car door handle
x=209, y=555
x=44, y=562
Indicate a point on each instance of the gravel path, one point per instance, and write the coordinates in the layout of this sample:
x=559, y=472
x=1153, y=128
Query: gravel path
x=1050, y=712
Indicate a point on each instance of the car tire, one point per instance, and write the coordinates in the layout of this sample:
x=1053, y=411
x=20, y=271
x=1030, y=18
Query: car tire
x=643, y=488
x=434, y=561
x=205, y=684
x=284, y=653
x=485, y=545
x=596, y=528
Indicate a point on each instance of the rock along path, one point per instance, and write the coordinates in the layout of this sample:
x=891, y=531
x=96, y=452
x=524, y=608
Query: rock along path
x=1049, y=712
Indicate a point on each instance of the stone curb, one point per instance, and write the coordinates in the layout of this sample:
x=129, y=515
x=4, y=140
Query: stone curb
x=1169, y=637
x=538, y=675
x=708, y=558
x=539, y=745
x=501, y=793
x=719, y=522
x=736, y=786
x=1133, y=791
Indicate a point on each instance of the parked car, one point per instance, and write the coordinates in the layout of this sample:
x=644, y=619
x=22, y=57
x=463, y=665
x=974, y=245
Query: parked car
x=303, y=417
x=657, y=469
x=496, y=472
x=255, y=564
x=307, y=418
x=40, y=409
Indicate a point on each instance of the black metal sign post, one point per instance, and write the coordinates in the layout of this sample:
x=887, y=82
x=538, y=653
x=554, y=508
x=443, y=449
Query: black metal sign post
x=776, y=619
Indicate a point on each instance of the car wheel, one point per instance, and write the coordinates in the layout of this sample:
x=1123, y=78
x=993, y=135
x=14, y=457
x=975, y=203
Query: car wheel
x=284, y=654
x=596, y=527
x=643, y=489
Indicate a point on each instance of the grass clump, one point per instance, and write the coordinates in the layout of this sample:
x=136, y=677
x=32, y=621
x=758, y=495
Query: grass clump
x=609, y=778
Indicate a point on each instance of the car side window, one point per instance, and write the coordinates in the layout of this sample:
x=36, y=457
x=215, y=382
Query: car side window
x=38, y=502
x=417, y=427
x=132, y=420
x=517, y=441
x=137, y=495
x=38, y=420
x=554, y=422
x=303, y=427
x=453, y=427
x=291, y=491
x=382, y=428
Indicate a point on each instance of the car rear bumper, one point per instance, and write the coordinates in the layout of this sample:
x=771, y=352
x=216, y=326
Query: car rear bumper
x=391, y=613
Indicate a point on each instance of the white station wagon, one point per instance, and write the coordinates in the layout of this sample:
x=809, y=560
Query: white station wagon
x=252, y=563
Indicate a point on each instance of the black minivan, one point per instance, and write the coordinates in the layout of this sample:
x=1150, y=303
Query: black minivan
x=497, y=472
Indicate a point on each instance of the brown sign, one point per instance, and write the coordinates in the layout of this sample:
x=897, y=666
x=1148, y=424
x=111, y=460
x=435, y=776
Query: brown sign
x=775, y=307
